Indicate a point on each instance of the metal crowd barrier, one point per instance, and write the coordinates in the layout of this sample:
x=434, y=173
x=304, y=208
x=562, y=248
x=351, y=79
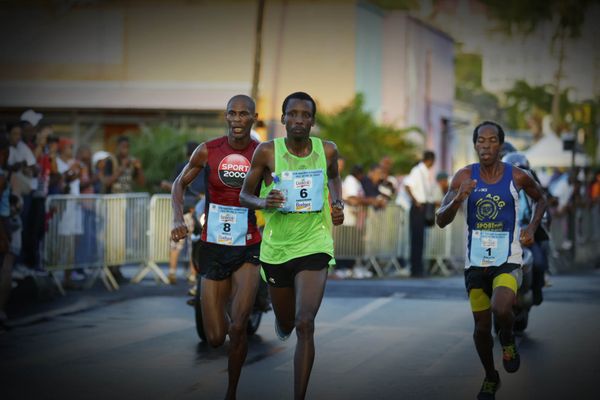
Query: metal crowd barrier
x=160, y=220
x=95, y=231
x=99, y=231
x=378, y=238
x=586, y=244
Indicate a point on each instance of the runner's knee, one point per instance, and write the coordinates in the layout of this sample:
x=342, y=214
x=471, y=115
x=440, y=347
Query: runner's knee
x=305, y=325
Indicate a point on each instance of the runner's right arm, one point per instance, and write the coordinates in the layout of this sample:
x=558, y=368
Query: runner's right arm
x=460, y=188
x=188, y=174
x=262, y=164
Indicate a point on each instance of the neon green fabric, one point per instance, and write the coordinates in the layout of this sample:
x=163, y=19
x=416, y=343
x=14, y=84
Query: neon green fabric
x=291, y=235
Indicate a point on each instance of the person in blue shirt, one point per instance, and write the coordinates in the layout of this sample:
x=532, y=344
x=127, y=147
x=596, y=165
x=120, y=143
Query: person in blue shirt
x=489, y=192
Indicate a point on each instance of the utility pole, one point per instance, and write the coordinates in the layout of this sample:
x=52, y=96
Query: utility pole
x=258, y=49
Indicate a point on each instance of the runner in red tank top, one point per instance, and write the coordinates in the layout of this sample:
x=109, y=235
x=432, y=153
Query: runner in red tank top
x=229, y=255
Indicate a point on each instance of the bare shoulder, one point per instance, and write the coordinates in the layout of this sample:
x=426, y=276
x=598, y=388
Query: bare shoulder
x=264, y=152
x=330, y=147
x=460, y=176
x=521, y=177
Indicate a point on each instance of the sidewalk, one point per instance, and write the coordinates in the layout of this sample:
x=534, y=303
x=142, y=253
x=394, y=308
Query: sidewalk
x=28, y=306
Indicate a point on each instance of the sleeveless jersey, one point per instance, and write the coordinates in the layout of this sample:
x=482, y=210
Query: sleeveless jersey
x=304, y=227
x=226, y=169
x=492, y=225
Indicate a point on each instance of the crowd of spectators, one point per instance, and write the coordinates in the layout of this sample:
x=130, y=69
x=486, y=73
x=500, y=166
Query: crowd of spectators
x=36, y=163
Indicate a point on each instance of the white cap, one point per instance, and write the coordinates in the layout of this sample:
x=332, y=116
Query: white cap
x=99, y=156
x=32, y=117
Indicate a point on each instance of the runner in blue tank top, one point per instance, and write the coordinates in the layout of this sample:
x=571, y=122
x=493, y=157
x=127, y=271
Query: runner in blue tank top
x=494, y=240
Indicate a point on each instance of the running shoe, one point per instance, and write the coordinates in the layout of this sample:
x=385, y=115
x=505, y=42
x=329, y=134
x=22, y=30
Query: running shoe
x=280, y=334
x=510, y=357
x=489, y=388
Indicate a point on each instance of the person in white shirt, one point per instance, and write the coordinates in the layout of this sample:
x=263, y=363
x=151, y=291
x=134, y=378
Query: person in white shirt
x=419, y=186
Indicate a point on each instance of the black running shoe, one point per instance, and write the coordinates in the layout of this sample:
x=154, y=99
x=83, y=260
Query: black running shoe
x=489, y=388
x=510, y=357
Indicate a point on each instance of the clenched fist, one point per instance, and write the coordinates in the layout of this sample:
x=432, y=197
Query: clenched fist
x=465, y=189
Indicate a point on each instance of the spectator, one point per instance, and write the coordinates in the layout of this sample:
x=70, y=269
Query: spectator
x=388, y=186
x=595, y=189
x=23, y=167
x=29, y=121
x=70, y=225
x=10, y=235
x=99, y=160
x=419, y=186
x=441, y=188
x=122, y=173
x=370, y=184
x=127, y=171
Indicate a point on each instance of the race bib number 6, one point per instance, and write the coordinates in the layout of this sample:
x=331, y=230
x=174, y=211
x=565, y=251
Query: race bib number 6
x=227, y=225
x=303, y=190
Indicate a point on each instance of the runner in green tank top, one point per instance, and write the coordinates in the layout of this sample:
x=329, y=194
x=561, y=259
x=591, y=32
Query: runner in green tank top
x=300, y=175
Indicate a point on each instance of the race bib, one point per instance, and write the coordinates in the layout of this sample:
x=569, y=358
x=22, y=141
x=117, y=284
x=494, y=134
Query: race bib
x=489, y=249
x=227, y=225
x=303, y=190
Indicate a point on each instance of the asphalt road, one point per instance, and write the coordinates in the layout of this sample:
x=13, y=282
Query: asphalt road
x=396, y=339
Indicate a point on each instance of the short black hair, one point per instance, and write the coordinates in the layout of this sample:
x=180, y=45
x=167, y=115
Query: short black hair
x=122, y=139
x=248, y=99
x=491, y=123
x=299, y=96
x=428, y=155
x=357, y=169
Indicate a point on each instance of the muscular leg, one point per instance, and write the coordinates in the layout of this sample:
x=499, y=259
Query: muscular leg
x=284, y=306
x=503, y=299
x=215, y=295
x=484, y=342
x=245, y=282
x=309, y=288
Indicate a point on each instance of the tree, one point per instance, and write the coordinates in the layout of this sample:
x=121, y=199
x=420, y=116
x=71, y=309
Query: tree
x=361, y=140
x=523, y=17
x=160, y=148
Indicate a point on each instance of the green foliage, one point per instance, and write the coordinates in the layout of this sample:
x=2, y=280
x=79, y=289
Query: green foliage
x=360, y=140
x=396, y=4
x=160, y=148
x=467, y=69
x=468, y=89
x=523, y=17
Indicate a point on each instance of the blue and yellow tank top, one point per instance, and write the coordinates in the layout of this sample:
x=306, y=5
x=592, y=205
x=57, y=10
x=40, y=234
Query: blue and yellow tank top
x=492, y=226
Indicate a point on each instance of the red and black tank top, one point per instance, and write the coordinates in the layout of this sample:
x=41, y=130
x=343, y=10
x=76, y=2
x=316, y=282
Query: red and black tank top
x=226, y=169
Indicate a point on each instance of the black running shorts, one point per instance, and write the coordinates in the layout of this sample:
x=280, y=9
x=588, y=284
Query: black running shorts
x=282, y=275
x=218, y=262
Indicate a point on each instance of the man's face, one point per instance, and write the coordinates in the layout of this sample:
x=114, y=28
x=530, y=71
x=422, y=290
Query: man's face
x=386, y=164
x=488, y=144
x=15, y=135
x=429, y=163
x=240, y=117
x=123, y=149
x=298, y=118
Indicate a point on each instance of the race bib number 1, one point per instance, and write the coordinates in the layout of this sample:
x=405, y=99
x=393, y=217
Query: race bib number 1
x=303, y=190
x=227, y=225
x=488, y=249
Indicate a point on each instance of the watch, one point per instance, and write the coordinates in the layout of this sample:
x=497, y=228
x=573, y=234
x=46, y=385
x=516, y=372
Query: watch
x=338, y=204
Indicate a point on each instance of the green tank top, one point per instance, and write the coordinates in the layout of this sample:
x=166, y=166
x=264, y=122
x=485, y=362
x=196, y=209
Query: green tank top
x=291, y=235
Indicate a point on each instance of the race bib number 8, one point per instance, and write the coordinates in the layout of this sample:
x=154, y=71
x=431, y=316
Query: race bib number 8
x=488, y=249
x=227, y=225
x=303, y=190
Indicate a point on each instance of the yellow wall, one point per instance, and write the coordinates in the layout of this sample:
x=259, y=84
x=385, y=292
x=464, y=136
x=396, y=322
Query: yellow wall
x=307, y=46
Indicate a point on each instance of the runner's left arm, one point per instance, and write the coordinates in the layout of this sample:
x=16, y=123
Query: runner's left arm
x=334, y=183
x=535, y=192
